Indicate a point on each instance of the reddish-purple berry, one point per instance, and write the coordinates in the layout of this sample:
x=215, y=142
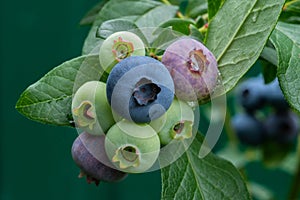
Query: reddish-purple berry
x=89, y=154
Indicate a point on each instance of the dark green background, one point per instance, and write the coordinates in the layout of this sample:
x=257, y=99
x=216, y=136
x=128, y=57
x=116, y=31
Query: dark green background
x=35, y=159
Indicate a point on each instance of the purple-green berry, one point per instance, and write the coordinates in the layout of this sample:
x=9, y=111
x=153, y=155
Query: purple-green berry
x=193, y=68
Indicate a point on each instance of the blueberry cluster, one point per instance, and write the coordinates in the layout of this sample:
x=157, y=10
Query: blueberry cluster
x=141, y=108
x=280, y=125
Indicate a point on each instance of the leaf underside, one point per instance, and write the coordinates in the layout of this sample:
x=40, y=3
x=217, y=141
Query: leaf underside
x=213, y=7
x=286, y=39
x=90, y=16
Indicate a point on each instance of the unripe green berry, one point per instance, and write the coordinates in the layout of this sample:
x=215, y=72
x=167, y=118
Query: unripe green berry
x=119, y=46
x=90, y=109
x=133, y=148
x=176, y=123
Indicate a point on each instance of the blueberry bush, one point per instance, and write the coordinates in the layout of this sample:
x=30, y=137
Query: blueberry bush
x=149, y=69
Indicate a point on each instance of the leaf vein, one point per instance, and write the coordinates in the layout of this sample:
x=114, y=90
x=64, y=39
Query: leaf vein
x=181, y=181
x=236, y=32
x=265, y=7
x=250, y=34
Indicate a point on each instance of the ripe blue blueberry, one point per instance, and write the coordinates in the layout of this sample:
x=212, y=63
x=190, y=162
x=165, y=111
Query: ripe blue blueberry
x=274, y=96
x=248, y=129
x=88, y=152
x=140, y=89
x=283, y=126
x=251, y=94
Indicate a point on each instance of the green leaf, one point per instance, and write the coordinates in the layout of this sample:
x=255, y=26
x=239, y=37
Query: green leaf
x=190, y=8
x=269, y=64
x=269, y=71
x=196, y=8
x=121, y=24
x=184, y=26
x=195, y=33
x=156, y=16
x=293, y=6
x=213, y=7
x=116, y=9
x=111, y=26
x=274, y=153
x=177, y=2
x=237, y=40
x=162, y=38
x=289, y=164
x=286, y=39
x=180, y=25
x=49, y=99
x=269, y=54
x=90, y=16
x=234, y=155
x=261, y=192
x=291, y=12
x=209, y=178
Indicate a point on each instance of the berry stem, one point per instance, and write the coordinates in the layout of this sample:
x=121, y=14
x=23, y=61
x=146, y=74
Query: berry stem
x=180, y=15
x=288, y=3
x=294, y=191
x=203, y=29
x=298, y=146
x=229, y=131
x=159, y=58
